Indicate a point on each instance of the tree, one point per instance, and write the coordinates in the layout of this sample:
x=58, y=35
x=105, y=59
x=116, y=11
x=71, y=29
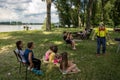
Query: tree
x=89, y=14
x=64, y=11
x=103, y=3
x=48, y=18
x=116, y=13
x=69, y=12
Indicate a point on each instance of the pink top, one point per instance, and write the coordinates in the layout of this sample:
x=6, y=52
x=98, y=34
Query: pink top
x=47, y=55
x=57, y=60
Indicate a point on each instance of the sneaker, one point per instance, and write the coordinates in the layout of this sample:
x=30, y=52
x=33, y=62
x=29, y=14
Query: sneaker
x=64, y=72
x=39, y=72
x=28, y=69
x=97, y=55
x=33, y=70
x=74, y=48
x=104, y=54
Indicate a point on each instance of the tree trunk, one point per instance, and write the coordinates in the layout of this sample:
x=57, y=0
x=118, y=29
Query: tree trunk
x=103, y=3
x=89, y=14
x=48, y=19
x=102, y=14
x=84, y=7
x=79, y=19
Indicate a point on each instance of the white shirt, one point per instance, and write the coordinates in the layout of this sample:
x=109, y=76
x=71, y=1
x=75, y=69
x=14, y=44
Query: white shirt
x=21, y=52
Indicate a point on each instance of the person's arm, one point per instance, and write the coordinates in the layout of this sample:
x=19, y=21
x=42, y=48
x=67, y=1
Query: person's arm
x=94, y=34
x=107, y=35
x=51, y=57
x=71, y=37
x=67, y=37
x=30, y=59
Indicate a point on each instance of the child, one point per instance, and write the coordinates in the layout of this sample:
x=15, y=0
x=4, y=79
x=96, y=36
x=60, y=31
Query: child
x=67, y=66
x=34, y=64
x=47, y=54
x=19, y=50
x=57, y=59
x=69, y=39
x=53, y=54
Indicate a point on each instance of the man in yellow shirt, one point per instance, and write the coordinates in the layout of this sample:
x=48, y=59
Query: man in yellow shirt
x=101, y=33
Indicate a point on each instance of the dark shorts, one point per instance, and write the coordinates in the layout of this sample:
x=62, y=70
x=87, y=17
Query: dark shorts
x=69, y=41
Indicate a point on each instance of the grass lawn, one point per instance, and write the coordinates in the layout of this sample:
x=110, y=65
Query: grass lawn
x=92, y=67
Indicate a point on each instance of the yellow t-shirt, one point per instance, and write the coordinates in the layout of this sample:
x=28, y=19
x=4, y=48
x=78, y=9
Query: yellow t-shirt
x=101, y=33
x=52, y=57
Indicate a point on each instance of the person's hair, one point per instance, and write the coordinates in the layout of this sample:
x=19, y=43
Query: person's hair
x=64, y=32
x=51, y=47
x=54, y=49
x=18, y=45
x=29, y=44
x=64, y=62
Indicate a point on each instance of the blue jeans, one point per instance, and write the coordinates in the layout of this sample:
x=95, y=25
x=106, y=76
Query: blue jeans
x=101, y=41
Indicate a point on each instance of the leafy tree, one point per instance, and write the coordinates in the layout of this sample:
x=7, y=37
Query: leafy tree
x=116, y=13
x=89, y=13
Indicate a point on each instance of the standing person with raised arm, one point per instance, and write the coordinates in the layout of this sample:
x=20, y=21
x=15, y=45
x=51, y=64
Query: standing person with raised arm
x=101, y=33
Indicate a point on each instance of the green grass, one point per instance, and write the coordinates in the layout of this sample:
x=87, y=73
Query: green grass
x=92, y=67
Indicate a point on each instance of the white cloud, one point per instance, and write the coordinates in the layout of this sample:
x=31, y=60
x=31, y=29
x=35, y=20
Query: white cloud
x=6, y=14
x=36, y=6
x=25, y=10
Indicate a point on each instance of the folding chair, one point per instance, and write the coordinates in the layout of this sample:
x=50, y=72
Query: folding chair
x=19, y=59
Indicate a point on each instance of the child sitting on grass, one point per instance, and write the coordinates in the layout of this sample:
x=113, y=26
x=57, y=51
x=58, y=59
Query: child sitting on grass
x=53, y=54
x=67, y=66
x=47, y=54
x=54, y=57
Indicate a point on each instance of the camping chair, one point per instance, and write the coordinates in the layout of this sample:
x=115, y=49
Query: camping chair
x=19, y=59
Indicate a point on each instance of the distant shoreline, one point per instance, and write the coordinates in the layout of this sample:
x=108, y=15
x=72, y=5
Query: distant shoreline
x=18, y=23
x=11, y=28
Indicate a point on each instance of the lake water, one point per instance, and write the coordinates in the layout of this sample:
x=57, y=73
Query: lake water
x=10, y=28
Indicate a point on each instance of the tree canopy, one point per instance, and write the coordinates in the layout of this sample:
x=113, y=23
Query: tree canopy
x=88, y=13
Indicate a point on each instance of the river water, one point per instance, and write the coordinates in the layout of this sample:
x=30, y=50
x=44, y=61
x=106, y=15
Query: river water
x=10, y=28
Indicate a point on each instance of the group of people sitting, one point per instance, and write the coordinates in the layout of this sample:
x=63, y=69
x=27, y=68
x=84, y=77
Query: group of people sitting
x=84, y=34
x=28, y=58
x=51, y=56
x=60, y=60
x=68, y=38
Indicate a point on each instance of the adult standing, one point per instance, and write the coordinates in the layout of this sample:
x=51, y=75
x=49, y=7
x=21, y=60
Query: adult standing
x=101, y=33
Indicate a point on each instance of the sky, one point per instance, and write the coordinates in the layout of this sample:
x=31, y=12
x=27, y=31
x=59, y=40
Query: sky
x=26, y=11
